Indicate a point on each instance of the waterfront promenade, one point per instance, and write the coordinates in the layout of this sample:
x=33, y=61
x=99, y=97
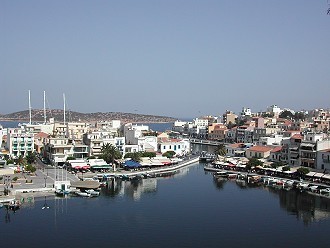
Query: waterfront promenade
x=41, y=183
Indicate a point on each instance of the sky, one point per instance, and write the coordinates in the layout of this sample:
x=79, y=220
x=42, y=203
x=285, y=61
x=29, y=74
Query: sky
x=177, y=58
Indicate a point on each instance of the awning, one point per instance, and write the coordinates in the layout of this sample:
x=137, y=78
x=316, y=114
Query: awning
x=106, y=166
x=131, y=164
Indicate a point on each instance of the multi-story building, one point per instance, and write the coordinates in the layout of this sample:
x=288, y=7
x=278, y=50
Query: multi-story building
x=274, y=110
x=217, y=132
x=95, y=140
x=246, y=112
x=244, y=134
x=19, y=142
x=229, y=117
x=236, y=149
x=310, y=145
x=231, y=135
x=179, y=146
x=179, y=126
x=57, y=150
x=275, y=154
x=76, y=130
x=323, y=159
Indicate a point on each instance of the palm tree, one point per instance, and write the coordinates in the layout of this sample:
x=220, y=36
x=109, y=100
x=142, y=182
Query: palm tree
x=110, y=153
x=221, y=150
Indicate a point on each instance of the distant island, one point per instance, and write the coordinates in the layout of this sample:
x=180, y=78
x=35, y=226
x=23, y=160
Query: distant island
x=71, y=116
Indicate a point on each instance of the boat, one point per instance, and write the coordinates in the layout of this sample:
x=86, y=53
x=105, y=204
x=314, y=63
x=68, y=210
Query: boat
x=14, y=205
x=61, y=192
x=92, y=192
x=83, y=194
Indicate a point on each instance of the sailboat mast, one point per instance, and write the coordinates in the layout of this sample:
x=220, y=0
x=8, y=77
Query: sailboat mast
x=30, y=114
x=64, y=108
x=45, y=118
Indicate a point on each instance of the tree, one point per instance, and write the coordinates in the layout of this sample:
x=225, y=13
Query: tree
x=148, y=154
x=253, y=162
x=169, y=154
x=221, y=150
x=30, y=168
x=276, y=164
x=286, y=168
x=110, y=153
x=21, y=160
x=30, y=158
x=136, y=156
x=286, y=114
x=303, y=171
x=299, y=116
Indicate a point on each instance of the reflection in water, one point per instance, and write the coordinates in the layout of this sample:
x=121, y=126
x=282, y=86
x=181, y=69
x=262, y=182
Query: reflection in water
x=307, y=207
x=134, y=188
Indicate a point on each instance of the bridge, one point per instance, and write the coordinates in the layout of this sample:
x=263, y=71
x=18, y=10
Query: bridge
x=206, y=142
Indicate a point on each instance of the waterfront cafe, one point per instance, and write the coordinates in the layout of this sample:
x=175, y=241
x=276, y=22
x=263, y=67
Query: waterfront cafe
x=78, y=165
x=318, y=177
x=131, y=164
x=98, y=165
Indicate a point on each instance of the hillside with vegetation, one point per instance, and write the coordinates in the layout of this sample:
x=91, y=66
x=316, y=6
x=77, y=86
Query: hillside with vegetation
x=71, y=116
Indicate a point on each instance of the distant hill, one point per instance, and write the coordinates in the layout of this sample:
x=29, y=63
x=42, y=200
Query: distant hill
x=71, y=116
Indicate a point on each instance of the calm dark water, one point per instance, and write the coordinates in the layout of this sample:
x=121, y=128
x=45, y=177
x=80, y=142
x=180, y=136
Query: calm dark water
x=188, y=209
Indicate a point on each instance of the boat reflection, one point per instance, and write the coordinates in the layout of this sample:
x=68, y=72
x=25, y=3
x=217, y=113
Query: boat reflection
x=305, y=206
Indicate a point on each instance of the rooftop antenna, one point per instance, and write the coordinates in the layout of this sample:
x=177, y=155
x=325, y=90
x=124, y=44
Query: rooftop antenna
x=64, y=108
x=30, y=114
x=45, y=117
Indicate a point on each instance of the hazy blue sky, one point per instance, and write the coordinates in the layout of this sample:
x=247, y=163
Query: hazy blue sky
x=179, y=58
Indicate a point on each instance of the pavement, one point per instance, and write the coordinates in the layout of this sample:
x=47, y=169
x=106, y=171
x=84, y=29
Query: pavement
x=41, y=183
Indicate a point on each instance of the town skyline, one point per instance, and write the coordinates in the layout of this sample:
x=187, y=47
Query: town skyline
x=170, y=59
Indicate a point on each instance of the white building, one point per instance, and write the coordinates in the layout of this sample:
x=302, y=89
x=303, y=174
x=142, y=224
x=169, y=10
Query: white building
x=19, y=142
x=180, y=147
x=38, y=128
x=76, y=130
x=57, y=150
x=179, y=126
x=275, y=110
x=323, y=159
x=271, y=140
x=246, y=112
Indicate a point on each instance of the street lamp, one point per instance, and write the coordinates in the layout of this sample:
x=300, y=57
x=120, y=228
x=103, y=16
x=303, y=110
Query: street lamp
x=45, y=177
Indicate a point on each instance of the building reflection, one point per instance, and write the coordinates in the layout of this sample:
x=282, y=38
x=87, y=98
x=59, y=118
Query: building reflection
x=305, y=206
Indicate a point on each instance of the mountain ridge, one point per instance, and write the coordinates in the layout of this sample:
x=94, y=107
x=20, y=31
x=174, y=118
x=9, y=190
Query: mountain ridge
x=72, y=116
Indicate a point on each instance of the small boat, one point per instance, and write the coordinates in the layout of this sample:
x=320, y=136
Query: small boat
x=61, y=192
x=83, y=194
x=14, y=205
x=92, y=192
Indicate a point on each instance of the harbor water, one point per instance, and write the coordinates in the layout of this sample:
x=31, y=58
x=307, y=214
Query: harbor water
x=187, y=209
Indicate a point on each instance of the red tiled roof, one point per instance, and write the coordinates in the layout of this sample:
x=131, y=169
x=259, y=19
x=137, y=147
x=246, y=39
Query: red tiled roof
x=260, y=149
x=41, y=135
x=297, y=136
x=235, y=145
x=276, y=149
